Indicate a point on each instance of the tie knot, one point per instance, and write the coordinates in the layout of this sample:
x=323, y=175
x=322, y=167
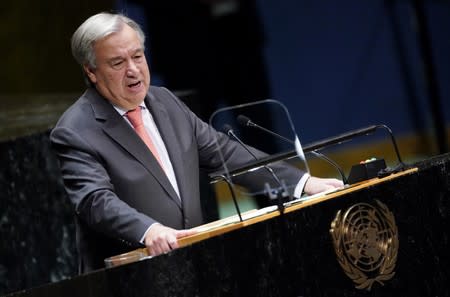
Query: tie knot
x=135, y=116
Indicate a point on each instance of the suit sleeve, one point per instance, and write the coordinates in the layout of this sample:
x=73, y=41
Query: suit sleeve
x=90, y=190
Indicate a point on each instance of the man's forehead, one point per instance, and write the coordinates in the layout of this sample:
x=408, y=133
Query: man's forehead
x=117, y=46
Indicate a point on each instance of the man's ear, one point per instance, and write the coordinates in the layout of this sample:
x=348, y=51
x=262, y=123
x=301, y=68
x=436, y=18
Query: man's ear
x=90, y=73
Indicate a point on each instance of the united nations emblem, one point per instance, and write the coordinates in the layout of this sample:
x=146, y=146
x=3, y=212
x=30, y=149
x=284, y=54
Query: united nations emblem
x=365, y=240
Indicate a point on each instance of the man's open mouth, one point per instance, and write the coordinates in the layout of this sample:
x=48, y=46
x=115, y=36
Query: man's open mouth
x=134, y=85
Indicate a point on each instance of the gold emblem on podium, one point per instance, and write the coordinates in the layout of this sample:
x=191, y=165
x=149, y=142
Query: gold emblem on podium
x=365, y=240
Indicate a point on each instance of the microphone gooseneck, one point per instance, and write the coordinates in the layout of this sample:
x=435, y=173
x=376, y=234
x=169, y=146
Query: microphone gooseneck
x=227, y=128
x=247, y=122
x=229, y=131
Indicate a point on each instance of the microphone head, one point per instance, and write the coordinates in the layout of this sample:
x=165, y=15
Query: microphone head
x=243, y=120
x=227, y=129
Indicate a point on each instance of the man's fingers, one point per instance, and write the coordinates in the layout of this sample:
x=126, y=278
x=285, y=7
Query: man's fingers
x=180, y=234
x=160, y=248
x=336, y=183
x=185, y=232
x=162, y=239
x=156, y=249
x=172, y=242
x=316, y=185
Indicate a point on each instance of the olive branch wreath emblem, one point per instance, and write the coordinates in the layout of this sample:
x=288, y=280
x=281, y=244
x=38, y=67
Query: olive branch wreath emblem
x=365, y=240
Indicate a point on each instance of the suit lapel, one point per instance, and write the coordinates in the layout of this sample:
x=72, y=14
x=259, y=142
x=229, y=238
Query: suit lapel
x=166, y=129
x=122, y=133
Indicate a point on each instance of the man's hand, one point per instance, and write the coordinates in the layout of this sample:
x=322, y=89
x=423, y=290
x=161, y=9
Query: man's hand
x=161, y=239
x=316, y=185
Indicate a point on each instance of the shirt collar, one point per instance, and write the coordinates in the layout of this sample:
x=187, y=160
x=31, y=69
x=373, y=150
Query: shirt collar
x=122, y=111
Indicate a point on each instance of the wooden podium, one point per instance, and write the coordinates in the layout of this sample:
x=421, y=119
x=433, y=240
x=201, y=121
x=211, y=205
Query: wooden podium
x=383, y=237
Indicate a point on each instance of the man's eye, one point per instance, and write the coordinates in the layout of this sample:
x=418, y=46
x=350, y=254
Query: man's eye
x=117, y=64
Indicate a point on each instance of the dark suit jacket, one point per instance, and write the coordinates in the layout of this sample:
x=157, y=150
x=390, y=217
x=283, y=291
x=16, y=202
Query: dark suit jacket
x=114, y=182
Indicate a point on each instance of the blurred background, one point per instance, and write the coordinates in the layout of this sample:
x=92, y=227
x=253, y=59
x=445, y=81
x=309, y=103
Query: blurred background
x=336, y=65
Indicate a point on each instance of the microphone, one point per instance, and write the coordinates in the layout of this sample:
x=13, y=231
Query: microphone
x=247, y=122
x=272, y=194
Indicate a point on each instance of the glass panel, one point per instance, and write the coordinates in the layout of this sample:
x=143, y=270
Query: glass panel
x=274, y=159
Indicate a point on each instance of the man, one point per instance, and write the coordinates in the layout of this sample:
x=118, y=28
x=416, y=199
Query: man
x=130, y=191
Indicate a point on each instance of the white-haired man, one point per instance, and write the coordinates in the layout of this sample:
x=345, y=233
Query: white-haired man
x=130, y=190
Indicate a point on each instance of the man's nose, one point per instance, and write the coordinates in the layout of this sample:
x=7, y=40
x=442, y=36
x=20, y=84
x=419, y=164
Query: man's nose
x=131, y=68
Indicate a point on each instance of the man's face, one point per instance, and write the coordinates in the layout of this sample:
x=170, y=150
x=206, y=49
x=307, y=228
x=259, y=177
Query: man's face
x=121, y=74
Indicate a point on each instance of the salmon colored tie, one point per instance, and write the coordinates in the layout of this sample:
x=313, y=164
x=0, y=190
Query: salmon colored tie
x=135, y=118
